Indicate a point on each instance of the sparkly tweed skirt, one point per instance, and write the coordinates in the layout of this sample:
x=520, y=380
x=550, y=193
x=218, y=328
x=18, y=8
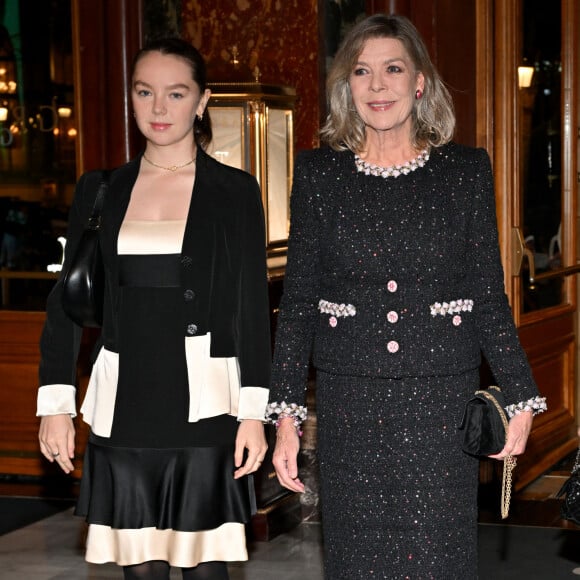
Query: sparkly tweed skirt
x=399, y=497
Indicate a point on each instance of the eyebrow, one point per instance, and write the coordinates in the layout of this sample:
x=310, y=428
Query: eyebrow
x=170, y=87
x=387, y=61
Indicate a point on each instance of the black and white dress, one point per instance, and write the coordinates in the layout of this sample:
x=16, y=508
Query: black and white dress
x=160, y=487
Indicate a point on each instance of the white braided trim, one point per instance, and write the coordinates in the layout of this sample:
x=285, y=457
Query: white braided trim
x=537, y=405
x=276, y=411
x=453, y=307
x=335, y=309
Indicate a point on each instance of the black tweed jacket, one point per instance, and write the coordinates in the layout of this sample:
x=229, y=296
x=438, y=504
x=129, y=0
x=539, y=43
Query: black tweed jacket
x=395, y=277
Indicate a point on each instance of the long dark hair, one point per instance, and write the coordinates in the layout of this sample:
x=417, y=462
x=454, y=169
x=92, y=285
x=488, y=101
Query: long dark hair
x=188, y=53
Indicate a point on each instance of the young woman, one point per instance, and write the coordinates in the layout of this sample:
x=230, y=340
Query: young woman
x=177, y=394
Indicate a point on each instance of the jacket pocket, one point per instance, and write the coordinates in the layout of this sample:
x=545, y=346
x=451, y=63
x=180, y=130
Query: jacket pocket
x=214, y=383
x=99, y=402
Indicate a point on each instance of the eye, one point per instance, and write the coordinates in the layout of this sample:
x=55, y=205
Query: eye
x=176, y=95
x=143, y=92
x=359, y=71
x=393, y=68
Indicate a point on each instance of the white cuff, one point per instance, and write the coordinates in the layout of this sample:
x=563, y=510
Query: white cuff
x=253, y=402
x=56, y=400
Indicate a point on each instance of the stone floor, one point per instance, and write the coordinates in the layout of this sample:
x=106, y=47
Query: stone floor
x=52, y=548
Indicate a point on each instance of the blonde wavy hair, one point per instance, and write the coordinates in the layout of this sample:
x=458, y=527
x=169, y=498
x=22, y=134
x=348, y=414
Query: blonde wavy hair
x=433, y=116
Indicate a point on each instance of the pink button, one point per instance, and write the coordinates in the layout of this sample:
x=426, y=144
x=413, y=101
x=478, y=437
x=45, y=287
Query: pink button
x=393, y=346
x=391, y=286
x=332, y=321
x=392, y=317
x=457, y=320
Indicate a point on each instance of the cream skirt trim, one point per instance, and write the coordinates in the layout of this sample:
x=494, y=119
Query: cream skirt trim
x=181, y=549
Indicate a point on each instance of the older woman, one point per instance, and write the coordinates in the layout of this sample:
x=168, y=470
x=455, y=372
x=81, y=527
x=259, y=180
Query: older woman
x=394, y=279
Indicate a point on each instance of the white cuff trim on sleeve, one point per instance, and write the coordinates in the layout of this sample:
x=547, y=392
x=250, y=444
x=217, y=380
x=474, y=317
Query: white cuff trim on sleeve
x=253, y=402
x=56, y=400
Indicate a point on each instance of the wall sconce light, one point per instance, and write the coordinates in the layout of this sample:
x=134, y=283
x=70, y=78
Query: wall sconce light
x=3, y=114
x=64, y=112
x=525, y=75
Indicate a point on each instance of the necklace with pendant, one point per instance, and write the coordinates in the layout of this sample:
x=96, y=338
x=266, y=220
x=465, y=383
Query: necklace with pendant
x=172, y=168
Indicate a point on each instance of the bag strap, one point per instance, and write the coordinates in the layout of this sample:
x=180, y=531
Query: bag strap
x=94, y=222
x=509, y=462
x=493, y=400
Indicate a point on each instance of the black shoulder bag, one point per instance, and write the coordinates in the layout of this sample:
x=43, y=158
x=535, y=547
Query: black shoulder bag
x=83, y=284
x=485, y=426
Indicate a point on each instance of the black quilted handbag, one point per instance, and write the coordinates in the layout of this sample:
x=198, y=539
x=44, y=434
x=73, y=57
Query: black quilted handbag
x=570, y=509
x=83, y=284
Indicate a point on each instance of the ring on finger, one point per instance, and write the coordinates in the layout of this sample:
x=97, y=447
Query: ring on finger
x=56, y=454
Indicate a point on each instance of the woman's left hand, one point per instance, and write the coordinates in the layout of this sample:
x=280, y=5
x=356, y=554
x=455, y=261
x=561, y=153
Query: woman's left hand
x=519, y=429
x=251, y=436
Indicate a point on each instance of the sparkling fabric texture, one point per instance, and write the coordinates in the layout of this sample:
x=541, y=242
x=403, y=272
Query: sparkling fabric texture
x=398, y=495
x=398, y=500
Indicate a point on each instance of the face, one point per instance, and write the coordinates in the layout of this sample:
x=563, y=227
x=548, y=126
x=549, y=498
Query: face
x=165, y=98
x=383, y=84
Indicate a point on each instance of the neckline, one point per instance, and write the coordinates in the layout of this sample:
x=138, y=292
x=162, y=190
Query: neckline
x=393, y=170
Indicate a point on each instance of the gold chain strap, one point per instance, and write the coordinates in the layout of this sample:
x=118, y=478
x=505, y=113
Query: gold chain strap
x=509, y=462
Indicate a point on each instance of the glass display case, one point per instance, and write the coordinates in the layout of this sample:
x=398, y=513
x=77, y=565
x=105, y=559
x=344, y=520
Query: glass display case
x=253, y=130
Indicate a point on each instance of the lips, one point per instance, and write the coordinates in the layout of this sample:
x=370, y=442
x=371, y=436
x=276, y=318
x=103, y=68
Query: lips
x=160, y=126
x=380, y=105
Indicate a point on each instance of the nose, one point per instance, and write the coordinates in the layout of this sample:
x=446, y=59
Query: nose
x=377, y=83
x=159, y=107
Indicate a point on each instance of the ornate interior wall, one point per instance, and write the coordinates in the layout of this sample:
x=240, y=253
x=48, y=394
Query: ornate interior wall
x=280, y=37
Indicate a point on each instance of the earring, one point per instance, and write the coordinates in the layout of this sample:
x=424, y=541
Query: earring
x=418, y=94
x=200, y=118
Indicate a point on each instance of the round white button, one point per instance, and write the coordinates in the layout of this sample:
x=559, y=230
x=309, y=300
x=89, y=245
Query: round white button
x=393, y=346
x=392, y=317
x=391, y=286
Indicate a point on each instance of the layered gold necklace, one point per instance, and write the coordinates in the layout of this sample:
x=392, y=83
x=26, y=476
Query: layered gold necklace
x=172, y=168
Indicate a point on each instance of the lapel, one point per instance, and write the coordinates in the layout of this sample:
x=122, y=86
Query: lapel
x=121, y=184
x=198, y=248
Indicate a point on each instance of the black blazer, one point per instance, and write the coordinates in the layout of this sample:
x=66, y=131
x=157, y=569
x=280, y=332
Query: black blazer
x=394, y=249
x=223, y=271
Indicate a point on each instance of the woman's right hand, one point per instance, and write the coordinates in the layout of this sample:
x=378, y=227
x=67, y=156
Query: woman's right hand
x=57, y=440
x=285, y=458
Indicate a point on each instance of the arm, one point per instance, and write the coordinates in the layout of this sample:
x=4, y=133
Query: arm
x=59, y=347
x=497, y=332
x=254, y=338
x=296, y=326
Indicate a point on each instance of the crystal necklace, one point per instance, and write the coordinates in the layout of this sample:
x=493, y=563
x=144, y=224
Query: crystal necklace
x=393, y=170
x=171, y=167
